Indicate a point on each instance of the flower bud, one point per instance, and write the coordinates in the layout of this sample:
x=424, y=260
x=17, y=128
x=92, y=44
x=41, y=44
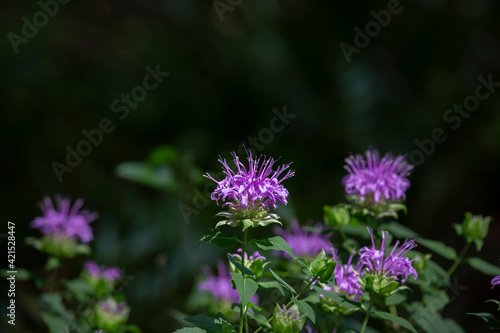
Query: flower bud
x=379, y=284
x=474, y=228
x=336, y=215
x=287, y=321
x=111, y=315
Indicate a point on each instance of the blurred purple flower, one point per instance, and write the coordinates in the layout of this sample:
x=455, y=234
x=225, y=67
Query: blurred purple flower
x=393, y=265
x=112, y=307
x=220, y=286
x=379, y=178
x=255, y=187
x=65, y=220
x=107, y=273
x=304, y=243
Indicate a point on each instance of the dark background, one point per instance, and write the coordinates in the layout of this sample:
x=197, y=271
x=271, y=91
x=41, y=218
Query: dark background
x=226, y=77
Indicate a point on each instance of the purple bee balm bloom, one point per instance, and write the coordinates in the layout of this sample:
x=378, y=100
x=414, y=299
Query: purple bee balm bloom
x=106, y=273
x=112, y=307
x=304, y=243
x=346, y=280
x=65, y=220
x=495, y=281
x=255, y=187
x=220, y=286
x=249, y=260
x=377, y=178
x=393, y=265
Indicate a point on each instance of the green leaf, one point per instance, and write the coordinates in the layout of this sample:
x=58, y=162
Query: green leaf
x=21, y=275
x=492, y=322
x=246, y=287
x=305, y=308
x=204, y=322
x=272, y=284
x=398, y=320
x=400, y=231
x=52, y=263
x=239, y=265
x=55, y=323
x=221, y=240
x=261, y=320
x=483, y=266
x=494, y=301
x=439, y=248
x=283, y=283
x=79, y=288
x=337, y=297
x=132, y=329
x=190, y=330
x=160, y=176
x=247, y=223
x=275, y=243
x=304, y=264
x=395, y=299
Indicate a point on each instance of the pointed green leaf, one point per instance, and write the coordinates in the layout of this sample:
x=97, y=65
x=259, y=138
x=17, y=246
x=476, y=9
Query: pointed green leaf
x=246, y=287
x=283, y=283
x=204, y=322
x=238, y=265
x=221, y=240
x=272, y=284
x=190, y=330
x=275, y=243
x=483, y=266
x=398, y=320
x=494, y=301
x=439, y=248
x=305, y=308
x=492, y=322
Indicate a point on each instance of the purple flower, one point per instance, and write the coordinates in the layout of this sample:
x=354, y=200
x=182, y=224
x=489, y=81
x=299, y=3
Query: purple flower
x=249, y=260
x=65, y=220
x=112, y=307
x=495, y=281
x=376, y=178
x=106, y=273
x=252, y=188
x=304, y=243
x=346, y=280
x=220, y=286
x=393, y=265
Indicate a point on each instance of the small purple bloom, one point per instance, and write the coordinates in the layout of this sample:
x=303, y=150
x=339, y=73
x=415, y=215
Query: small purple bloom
x=495, y=281
x=220, y=286
x=112, y=307
x=65, y=220
x=346, y=280
x=249, y=260
x=377, y=178
x=106, y=273
x=393, y=265
x=304, y=243
x=255, y=187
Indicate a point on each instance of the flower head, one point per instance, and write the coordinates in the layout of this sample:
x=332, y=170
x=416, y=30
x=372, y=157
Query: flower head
x=393, y=266
x=111, y=314
x=376, y=179
x=248, y=260
x=346, y=280
x=106, y=273
x=65, y=220
x=220, y=286
x=305, y=243
x=257, y=186
x=287, y=320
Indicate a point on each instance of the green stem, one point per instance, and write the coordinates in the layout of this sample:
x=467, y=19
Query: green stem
x=367, y=316
x=454, y=266
x=243, y=313
x=296, y=297
x=394, y=311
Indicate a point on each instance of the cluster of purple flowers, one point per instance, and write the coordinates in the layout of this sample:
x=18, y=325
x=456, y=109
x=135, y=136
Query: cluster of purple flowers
x=258, y=186
x=393, y=265
x=112, y=307
x=372, y=178
x=220, y=287
x=305, y=243
x=248, y=260
x=65, y=220
x=106, y=273
x=346, y=280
